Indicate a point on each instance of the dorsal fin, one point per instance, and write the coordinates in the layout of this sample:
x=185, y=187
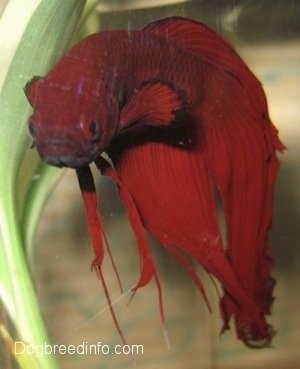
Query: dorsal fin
x=197, y=38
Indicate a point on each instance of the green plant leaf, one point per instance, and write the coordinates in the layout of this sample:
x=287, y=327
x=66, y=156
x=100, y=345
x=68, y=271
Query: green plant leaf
x=33, y=34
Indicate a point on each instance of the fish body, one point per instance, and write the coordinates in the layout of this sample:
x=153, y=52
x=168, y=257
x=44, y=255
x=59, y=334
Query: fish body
x=113, y=92
x=182, y=118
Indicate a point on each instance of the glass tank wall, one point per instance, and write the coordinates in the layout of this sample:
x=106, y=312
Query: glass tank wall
x=266, y=34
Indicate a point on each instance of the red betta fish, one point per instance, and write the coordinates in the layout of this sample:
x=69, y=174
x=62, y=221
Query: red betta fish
x=182, y=119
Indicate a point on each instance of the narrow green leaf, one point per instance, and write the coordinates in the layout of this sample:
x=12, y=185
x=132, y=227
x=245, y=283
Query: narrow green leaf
x=33, y=34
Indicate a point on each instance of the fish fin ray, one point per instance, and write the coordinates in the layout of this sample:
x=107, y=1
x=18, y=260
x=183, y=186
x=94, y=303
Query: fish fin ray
x=243, y=161
x=147, y=265
x=190, y=271
x=198, y=39
x=155, y=103
x=89, y=196
x=110, y=305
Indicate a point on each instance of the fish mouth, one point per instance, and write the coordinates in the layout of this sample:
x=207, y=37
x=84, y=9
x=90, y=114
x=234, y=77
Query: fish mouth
x=68, y=161
x=63, y=154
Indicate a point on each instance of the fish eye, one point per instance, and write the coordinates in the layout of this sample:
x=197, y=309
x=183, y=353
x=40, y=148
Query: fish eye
x=94, y=131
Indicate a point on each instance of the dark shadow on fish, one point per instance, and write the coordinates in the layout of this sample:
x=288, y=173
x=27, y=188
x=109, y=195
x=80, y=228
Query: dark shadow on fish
x=180, y=134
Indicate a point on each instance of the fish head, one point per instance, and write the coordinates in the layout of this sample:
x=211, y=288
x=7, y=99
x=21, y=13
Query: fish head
x=73, y=120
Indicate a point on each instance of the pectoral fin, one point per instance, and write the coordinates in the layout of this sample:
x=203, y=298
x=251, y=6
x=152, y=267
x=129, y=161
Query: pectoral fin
x=154, y=103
